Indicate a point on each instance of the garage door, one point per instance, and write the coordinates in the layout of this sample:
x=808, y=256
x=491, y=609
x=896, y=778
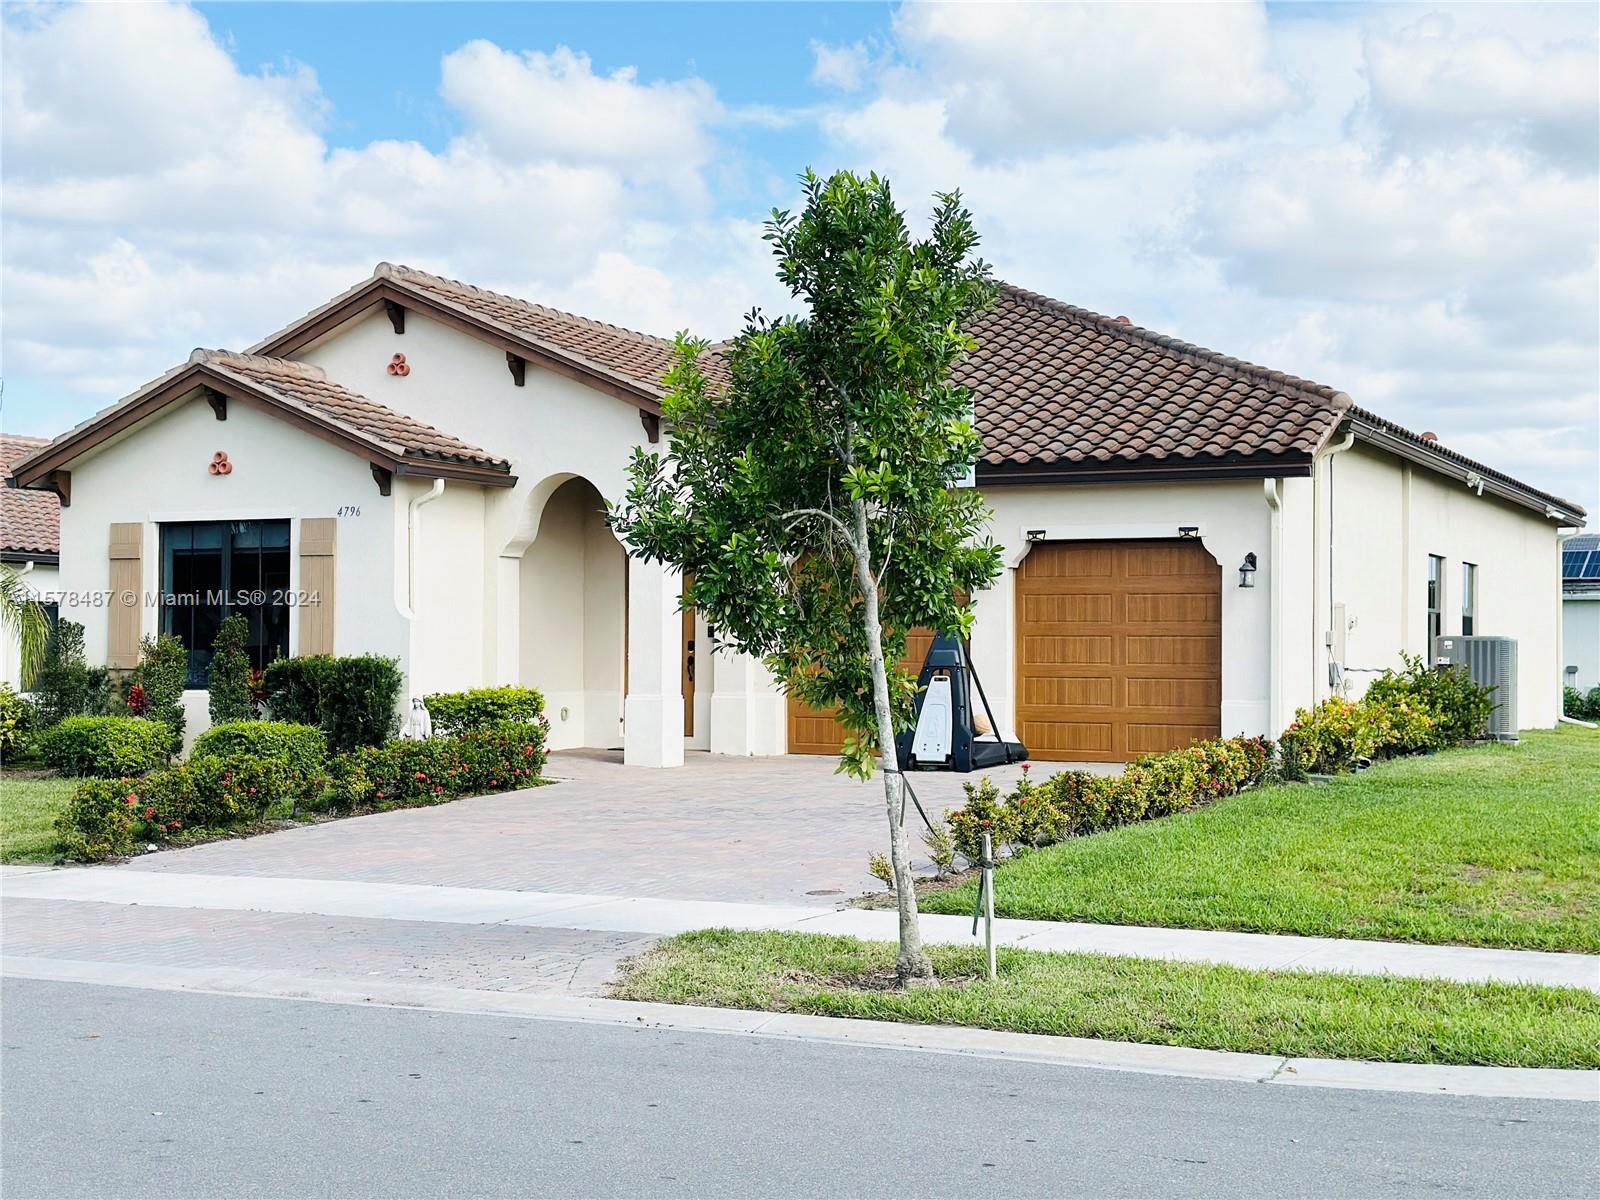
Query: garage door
x=817, y=730
x=1119, y=648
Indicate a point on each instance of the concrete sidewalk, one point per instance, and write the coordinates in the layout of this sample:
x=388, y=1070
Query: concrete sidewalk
x=654, y=915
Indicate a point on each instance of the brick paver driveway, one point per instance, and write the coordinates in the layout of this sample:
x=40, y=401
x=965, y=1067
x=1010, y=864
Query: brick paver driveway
x=761, y=830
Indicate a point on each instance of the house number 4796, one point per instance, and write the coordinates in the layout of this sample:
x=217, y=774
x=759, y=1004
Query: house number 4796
x=350, y=510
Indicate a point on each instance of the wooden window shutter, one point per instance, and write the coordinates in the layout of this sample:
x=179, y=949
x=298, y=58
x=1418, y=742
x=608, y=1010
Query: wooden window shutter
x=124, y=620
x=316, y=584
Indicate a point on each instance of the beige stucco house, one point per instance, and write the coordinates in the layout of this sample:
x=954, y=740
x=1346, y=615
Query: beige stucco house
x=419, y=467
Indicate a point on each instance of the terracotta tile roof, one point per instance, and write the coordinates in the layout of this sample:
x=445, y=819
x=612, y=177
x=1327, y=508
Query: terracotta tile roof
x=1059, y=385
x=30, y=522
x=308, y=386
x=638, y=358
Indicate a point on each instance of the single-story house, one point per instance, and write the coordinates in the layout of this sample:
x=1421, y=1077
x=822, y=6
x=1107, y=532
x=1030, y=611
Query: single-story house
x=418, y=468
x=30, y=543
x=1580, y=611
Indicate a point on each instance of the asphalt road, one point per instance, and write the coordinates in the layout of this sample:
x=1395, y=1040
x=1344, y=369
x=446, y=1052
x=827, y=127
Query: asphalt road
x=128, y=1093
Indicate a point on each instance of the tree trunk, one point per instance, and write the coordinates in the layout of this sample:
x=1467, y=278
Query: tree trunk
x=912, y=964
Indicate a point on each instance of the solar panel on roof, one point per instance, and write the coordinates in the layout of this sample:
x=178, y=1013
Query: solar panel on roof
x=1580, y=564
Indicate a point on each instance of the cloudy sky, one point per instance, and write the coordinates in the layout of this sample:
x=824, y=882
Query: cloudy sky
x=1398, y=201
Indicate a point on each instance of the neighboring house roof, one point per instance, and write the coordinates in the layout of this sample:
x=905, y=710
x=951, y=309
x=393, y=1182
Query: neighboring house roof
x=1580, y=565
x=30, y=522
x=298, y=392
x=1060, y=389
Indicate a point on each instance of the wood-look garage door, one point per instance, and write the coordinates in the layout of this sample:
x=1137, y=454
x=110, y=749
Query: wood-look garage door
x=1119, y=649
x=817, y=730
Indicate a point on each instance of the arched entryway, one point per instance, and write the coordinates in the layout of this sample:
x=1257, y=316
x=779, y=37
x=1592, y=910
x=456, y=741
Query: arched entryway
x=573, y=618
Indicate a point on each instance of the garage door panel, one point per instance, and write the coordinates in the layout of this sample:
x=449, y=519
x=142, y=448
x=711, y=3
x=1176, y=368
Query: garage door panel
x=1173, y=608
x=1069, y=692
x=1146, y=679
x=817, y=730
x=1058, y=651
x=1173, y=695
x=1069, y=608
x=1071, y=562
x=1065, y=741
x=1165, y=649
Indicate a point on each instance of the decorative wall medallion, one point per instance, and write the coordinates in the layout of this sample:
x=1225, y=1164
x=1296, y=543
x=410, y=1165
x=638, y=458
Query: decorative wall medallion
x=220, y=464
x=399, y=366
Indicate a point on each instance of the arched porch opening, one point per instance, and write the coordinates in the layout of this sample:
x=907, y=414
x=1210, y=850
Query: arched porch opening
x=572, y=619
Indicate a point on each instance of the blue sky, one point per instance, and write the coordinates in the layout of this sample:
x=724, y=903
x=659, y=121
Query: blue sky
x=1395, y=200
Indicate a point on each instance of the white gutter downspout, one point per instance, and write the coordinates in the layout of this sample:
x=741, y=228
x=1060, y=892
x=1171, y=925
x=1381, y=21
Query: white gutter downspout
x=1561, y=691
x=1273, y=488
x=409, y=608
x=1319, y=687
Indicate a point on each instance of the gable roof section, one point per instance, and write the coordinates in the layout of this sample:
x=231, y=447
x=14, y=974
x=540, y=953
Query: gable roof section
x=295, y=391
x=30, y=522
x=1064, y=391
x=620, y=362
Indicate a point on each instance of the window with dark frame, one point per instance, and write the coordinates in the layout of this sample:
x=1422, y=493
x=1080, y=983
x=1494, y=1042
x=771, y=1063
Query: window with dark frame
x=1435, y=599
x=1469, y=598
x=213, y=569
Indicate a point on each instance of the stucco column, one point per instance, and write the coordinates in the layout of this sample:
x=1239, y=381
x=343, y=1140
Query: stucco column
x=506, y=662
x=652, y=733
x=747, y=707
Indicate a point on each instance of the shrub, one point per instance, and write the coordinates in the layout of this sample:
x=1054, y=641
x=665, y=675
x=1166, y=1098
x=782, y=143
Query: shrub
x=402, y=774
x=1082, y=807
x=163, y=667
x=301, y=749
x=1035, y=818
x=941, y=848
x=98, y=822
x=982, y=811
x=354, y=700
x=17, y=720
x=106, y=746
x=230, y=672
x=1457, y=708
x=294, y=688
x=456, y=712
x=1586, y=707
x=239, y=788
x=1330, y=737
x=66, y=686
x=1401, y=724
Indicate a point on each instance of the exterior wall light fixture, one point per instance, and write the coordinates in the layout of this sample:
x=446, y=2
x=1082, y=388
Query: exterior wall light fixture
x=1188, y=531
x=1036, y=535
x=1247, y=571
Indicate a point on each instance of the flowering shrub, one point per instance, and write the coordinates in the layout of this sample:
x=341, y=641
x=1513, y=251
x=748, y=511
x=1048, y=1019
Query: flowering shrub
x=1457, y=708
x=983, y=811
x=17, y=719
x=1328, y=739
x=501, y=757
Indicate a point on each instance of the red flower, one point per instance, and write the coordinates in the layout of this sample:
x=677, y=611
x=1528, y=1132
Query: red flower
x=419, y=775
x=132, y=799
x=252, y=791
x=494, y=783
x=380, y=795
x=149, y=812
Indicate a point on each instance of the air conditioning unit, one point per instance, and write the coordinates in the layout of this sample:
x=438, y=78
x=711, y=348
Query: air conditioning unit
x=1492, y=662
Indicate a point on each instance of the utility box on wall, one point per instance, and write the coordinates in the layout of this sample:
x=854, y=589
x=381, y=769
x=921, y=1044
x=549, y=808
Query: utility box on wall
x=1492, y=662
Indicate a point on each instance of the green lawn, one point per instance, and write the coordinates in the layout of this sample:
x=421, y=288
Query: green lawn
x=1485, y=846
x=1297, y=1014
x=28, y=809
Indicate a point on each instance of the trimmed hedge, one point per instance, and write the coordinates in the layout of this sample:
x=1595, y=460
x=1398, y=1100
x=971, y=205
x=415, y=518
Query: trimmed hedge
x=457, y=712
x=354, y=700
x=106, y=746
x=1074, y=803
x=302, y=749
x=501, y=757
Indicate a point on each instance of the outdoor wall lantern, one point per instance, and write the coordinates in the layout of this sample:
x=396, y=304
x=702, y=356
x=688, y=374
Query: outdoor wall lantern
x=1247, y=571
x=1188, y=531
x=1036, y=535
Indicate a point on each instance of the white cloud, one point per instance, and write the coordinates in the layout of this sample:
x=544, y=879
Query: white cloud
x=842, y=67
x=1021, y=78
x=1432, y=81
x=553, y=106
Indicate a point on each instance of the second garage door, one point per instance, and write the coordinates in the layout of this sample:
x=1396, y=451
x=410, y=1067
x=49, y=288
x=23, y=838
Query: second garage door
x=817, y=730
x=1119, y=648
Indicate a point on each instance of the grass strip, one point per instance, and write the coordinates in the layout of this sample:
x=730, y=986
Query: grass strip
x=1495, y=845
x=1290, y=1013
x=28, y=810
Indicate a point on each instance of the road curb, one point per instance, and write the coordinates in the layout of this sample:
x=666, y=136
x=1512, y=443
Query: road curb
x=1518, y=1082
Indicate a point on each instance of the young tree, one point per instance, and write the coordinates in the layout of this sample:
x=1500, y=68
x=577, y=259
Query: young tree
x=23, y=618
x=229, y=677
x=810, y=481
